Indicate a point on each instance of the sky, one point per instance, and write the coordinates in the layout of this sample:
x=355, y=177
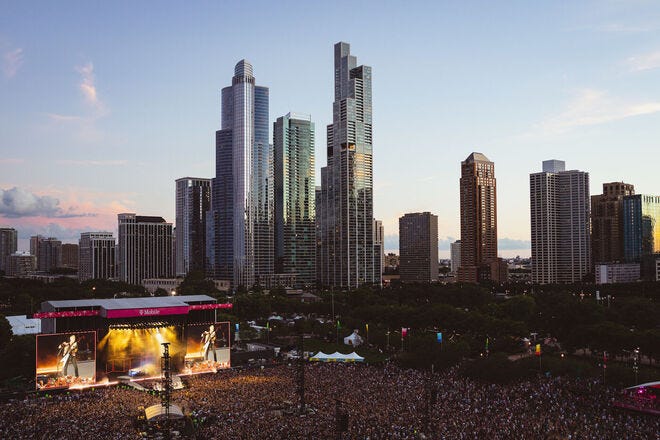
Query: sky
x=104, y=104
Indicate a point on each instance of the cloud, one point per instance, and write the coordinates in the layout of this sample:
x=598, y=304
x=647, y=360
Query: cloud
x=594, y=107
x=17, y=203
x=86, y=163
x=649, y=61
x=87, y=86
x=12, y=60
x=53, y=230
x=11, y=160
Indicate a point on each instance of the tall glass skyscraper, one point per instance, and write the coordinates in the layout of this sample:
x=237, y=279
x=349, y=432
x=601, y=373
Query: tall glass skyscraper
x=193, y=200
x=242, y=205
x=345, y=245
x=641, y=231
x=295, y=241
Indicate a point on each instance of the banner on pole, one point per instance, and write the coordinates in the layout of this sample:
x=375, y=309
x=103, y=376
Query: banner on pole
x=537, y=352
x=404, y=332
x=439, y=336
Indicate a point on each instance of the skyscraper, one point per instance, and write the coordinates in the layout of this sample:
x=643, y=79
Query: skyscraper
x=96, y=256
x=345, y=215
x=559, y=204
x=242, y=195
x=379, y=251
x=641, y=232
x=193, y=200
x=48, y=252
x=70, y=256
x=145, y=248
x=607, y=222
x=478, y=220
x=418, y=247
x=455, y=255
x=295, y=235
x=8, y=245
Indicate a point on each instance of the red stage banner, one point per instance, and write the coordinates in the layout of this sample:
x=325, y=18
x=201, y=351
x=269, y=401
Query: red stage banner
x=66, y=314
x=151, y=311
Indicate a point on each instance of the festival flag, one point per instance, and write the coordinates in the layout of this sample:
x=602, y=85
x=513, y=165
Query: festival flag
x=367, y=327
x=537, y=352
x=439, y=336
x=404, y=332
x=486, y=343
x=237, y=326
x=268, y=325
x=338, y=325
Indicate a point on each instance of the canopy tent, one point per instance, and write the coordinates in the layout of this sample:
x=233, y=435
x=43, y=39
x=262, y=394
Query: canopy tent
x=336, y=357
x=353, y=339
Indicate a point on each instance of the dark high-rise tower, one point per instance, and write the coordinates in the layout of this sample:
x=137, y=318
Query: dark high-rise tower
x=345, y=244
x=242, y=191
x=418, y=247
x=295, y=236
x=193, y=200
x=8, y=245
x=478, y=220
x=607, y=222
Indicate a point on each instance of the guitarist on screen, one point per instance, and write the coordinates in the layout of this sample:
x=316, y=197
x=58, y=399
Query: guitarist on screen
x=208, y=343
x=69, y=352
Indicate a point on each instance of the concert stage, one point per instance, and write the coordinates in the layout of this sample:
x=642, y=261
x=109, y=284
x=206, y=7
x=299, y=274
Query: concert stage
x=101, y=339
x=643, y=398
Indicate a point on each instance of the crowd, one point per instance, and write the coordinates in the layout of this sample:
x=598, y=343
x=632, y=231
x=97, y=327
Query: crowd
x=382, y=403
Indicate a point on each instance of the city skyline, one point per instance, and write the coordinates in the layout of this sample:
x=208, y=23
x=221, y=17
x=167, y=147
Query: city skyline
x=88, y=129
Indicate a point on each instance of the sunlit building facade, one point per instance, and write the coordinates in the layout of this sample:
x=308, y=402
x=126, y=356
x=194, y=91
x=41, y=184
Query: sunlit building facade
x=345, y=215
x=242, y=248
x=295, y=188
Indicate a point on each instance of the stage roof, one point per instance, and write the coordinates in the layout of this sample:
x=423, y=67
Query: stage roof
x=128, y=303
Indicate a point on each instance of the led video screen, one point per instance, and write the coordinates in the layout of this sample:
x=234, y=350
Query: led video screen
x=207, y=347
x=66, y=360
x=137, y=352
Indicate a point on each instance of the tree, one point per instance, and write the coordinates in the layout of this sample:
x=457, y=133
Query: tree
x=5, y=332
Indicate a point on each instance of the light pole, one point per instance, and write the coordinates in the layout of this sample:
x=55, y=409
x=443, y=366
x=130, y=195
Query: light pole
x=635, y=365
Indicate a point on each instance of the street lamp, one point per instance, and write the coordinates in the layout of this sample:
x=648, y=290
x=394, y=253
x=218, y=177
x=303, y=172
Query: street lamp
x=173, y=292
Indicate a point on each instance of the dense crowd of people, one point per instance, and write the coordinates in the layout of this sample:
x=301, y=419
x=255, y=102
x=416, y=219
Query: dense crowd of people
x=382, y=403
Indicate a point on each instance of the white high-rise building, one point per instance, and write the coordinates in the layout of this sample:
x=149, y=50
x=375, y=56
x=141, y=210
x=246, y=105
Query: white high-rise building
x=560, y=215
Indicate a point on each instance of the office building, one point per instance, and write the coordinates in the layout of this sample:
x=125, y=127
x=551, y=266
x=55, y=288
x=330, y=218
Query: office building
x=345, y=206
x=295, y=195
x=418, y=247
x=70, y=256
x=455, y=256
x=607, y=223
x=610, y=273
x=8, y=245
x=379, y=251
x=48, y=252
x=193, y=200
x=144, y=248
x=641, y=232
x=560, y=214
x=20, y=264
x=242, y=248
x=97, y=256
x=478, y=220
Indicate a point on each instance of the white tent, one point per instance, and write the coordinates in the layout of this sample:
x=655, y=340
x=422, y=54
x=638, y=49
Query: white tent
x=353, y=339
x=354, y=357
x=320, y=356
